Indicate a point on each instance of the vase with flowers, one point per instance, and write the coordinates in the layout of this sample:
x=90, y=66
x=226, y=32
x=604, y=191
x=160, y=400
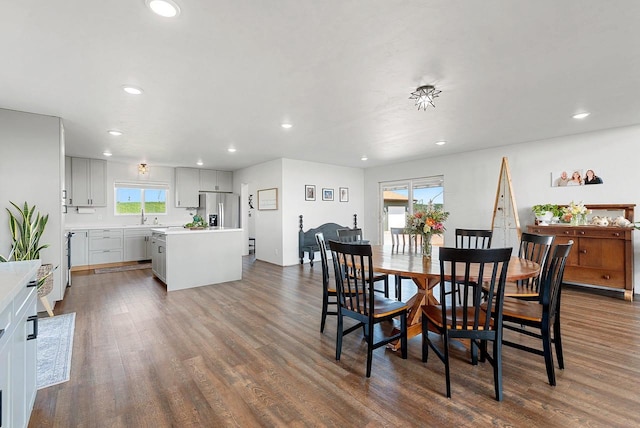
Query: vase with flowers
x=575, y=214
x=427, y=222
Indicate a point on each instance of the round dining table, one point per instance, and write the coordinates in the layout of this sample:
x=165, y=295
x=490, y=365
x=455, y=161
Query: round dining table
x=425, y=273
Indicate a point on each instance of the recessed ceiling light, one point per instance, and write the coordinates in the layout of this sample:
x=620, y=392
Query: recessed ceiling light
x=115, y=132
x=441, y=143
x=199, y=163
x=286, y=125
x=581, y=115
x=165, y=8
x=107, y=154
x=364, y=158
x=231, y=150
x=132, y=90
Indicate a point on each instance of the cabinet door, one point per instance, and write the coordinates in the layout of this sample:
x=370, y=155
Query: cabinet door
x=98, y=182
x=80, y=182
x=601, y=253
x=5, y=369
x=80, y=248
x=225, y=181
x=136, y=244
x=208, y=180
x=187, y=186
x=67, y=180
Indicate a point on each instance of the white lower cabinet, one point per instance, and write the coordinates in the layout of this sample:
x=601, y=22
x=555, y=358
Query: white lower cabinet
x=137, y=244
x=159, y=256
x=105, y=246
x=18, y=347
x=80, y=248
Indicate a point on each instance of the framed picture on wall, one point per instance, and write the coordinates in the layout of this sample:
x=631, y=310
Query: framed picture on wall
x=309, y=192
x=344, y=194
x=327, y=194
x=268, y=199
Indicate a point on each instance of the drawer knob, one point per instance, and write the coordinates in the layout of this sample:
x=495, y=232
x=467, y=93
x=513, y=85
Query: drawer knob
x=566, y=232
x=583, y=251
x=581, y=232
x=616, y=234
x=606, y=277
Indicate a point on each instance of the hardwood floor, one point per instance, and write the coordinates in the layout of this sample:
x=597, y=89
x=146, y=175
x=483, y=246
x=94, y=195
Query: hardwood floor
x=249, y=353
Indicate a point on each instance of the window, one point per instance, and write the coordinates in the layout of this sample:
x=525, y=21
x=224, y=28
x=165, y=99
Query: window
x=131, y=199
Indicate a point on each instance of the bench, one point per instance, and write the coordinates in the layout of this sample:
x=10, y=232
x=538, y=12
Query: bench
x=307, y=240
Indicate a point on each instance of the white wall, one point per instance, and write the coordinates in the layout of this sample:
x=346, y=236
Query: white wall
x=117, y=171
x=276, y=232
x=471, y=179
x=31, y=171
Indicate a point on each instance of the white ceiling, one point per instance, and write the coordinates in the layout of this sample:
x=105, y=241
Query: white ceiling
x=228, y=73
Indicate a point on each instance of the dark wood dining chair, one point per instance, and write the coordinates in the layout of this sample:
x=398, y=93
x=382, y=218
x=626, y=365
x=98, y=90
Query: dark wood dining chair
x=537, y=318
x=329, y=293
x=535, y=248
x=357, y=300
x=472, y=238
x=355, y=236
x=399, y=240
x=465, y=320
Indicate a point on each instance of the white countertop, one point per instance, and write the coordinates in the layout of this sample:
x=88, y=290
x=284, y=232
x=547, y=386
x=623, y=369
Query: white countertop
x=182, y=230
x=12, y=276
x=118, y=226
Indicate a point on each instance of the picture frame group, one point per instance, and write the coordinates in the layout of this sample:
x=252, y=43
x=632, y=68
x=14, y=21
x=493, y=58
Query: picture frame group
x=327, y=193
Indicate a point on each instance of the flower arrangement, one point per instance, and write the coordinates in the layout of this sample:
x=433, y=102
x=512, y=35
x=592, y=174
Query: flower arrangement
x=428, y=221
x=575, y=213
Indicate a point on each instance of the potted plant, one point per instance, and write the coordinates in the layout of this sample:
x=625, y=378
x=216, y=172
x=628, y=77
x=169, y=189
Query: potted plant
x=547, y=212
x=26, y=232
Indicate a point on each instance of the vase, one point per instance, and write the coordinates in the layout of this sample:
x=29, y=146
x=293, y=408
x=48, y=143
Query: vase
x=426, y=245
x=578, y=219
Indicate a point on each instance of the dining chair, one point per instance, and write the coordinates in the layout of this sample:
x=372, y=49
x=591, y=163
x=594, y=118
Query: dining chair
x=398, y=236
x=536, y=249
x=357, y=300
x=472, y=238
x=329, y=294
x=542, y=315
x=353, y=236
x=465, y=320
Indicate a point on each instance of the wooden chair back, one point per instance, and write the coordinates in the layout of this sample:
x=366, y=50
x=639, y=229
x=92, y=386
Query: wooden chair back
x=473, y=238
x=535, y=248
x=349, y=235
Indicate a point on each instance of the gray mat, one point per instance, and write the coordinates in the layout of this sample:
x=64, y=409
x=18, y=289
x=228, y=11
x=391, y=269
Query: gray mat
x=123, y=268
x=55, y=344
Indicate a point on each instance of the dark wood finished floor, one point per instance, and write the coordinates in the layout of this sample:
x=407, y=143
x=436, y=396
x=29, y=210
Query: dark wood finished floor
x=249, y=353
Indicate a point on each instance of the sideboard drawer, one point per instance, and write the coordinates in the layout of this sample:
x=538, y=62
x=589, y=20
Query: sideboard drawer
x=604, y=277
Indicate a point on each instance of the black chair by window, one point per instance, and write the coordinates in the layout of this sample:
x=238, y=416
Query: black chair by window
x=466, y=320
x=329, y=294
x=472, y=238
x=535, y=248
x=355, y=236
x=542, y=315
x=357, y=299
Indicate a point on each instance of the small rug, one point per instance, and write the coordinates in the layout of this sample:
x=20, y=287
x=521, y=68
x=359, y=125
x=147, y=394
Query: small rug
x=55, y=344
x=123, y=268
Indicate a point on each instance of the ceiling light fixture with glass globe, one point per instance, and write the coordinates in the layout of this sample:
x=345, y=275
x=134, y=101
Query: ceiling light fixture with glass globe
x=424, y=96
x=164, y=8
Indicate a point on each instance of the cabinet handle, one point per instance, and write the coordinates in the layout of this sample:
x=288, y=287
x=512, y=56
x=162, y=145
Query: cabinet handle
x=33, y=318
x=616, y=234
x=1, y=334
x=583, y=251
x=581, y=232
x=160, y=250
x=566, y=232
x=606, y=277
x=32, y=283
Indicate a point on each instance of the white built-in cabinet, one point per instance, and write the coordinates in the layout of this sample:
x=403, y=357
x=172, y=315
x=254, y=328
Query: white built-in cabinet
x=137, y=244
x=105, y=246
x=187, y=187
x=215, y=181
x=88, y=183
x=18, y=348
x=80, y=248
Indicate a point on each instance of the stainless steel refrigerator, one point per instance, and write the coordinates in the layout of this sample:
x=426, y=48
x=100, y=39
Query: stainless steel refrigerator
x=220, y=209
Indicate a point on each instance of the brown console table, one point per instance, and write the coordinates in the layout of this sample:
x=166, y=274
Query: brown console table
x=601, y=256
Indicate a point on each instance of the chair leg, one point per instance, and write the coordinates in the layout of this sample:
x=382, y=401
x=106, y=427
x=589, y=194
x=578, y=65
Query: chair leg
x=369, y=348
x=46, y=305
x=557, y=338
x=339, y=337
x=398, y=288
x=325, y=305
x=548, y=355
x=386, y=286
x=403, y=338
x=447, y=370
x=425, y=339
x=497, y=367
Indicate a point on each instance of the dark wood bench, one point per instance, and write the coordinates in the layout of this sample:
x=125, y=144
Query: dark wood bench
x=307, y=240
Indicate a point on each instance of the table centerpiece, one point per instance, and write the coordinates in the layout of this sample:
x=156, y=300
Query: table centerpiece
x=427, y=222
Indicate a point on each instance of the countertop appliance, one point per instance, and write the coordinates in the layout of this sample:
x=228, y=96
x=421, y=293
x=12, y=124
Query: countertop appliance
x=220, y=209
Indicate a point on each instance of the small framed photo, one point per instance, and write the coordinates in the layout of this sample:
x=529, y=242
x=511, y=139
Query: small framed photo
x=344, y=194
x=327, y=194
x=309, y=192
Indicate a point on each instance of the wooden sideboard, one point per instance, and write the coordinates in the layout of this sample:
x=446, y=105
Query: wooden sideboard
x=601, y=256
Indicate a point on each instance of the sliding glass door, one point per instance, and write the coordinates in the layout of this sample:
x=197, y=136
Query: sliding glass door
x=395, y=197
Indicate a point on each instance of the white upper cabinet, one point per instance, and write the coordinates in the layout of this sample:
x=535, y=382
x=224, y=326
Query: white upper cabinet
x=225, y=181
x=88, y=183
x=187, y=187
x=215, y=181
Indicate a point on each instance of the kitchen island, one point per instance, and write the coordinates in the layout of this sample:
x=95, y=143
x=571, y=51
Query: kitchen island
x=184, y=258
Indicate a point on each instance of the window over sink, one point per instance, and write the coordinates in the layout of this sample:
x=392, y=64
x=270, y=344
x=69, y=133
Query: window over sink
x=132, y=198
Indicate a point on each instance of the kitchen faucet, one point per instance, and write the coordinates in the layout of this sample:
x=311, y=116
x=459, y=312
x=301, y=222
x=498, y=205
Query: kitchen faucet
x=142, y=218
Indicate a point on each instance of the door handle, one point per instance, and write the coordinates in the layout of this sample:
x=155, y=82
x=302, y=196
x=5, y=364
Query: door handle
x=33, y=318
x=32, y=283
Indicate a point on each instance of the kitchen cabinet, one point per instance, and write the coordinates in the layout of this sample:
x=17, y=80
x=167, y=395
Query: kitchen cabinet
x=18, y=348
x=216, y=181
x=88, y=182
x=601, y=256
x=137, y=244
x=105, y=246
x=159, y=256
x=187, y=187
x=80, y=248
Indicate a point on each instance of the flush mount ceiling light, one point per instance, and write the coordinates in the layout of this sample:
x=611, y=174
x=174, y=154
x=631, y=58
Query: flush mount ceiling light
x=364, y=158
x=143, y=168
x=132, y=90
x=440, y=143
x=581, y=115
x=107, y=154
x=231, y=150
x=287, y=125
x=165, y=8
x=199, y=163
x=114, y=132
x=424, y=96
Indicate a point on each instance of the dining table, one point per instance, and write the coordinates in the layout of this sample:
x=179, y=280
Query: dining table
x=425, y=273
